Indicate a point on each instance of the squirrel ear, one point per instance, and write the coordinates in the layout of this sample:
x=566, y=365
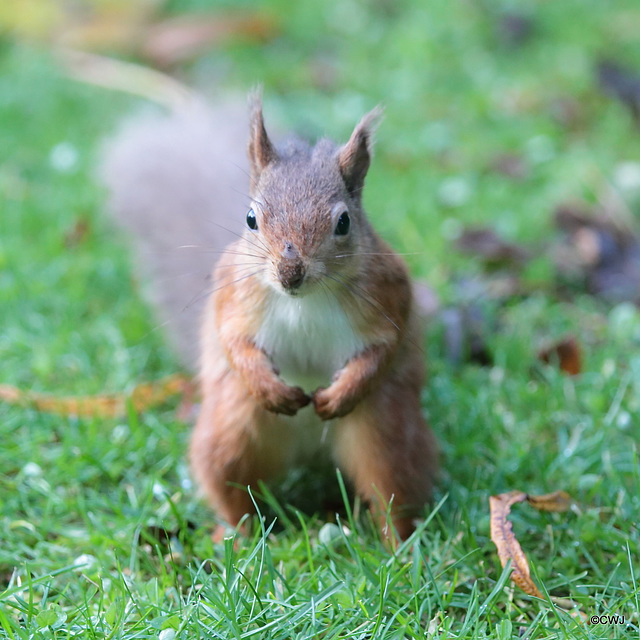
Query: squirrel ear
x=260, y=150
x=354, y=157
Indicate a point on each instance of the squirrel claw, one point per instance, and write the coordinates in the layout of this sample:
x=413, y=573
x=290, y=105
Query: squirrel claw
x=328, y=406
x=288, y=402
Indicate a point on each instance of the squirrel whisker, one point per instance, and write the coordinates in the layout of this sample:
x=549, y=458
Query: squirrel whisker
x=362, y=294
x=328, y=292
x=349, y=255
x=207, y=292
x=210, y=251
x=262, y=245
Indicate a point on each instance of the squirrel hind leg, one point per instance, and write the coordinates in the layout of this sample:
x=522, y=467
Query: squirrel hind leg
x=229, y=451
x=389, y=454
x=222, y=470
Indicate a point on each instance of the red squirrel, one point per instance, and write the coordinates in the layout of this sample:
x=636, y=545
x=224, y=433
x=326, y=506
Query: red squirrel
x=309, y=340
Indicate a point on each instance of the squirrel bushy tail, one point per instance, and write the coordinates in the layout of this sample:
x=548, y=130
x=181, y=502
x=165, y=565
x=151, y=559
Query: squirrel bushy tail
x=178, y=186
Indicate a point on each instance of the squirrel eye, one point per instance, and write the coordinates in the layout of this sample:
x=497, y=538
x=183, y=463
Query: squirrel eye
x=342, y=228
x=252, y=223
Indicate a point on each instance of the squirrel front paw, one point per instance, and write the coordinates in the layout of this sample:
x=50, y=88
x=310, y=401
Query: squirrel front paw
x=328, y=404
x=281, y=398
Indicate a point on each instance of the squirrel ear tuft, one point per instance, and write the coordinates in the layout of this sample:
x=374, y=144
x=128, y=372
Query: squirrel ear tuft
x=260, y=150
x=354, y=157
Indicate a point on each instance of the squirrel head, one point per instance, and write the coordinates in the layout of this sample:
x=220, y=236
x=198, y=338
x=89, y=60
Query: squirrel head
x=306, y=214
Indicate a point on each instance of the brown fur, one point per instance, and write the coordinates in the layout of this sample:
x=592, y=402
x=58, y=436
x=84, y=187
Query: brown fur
x=376, y=432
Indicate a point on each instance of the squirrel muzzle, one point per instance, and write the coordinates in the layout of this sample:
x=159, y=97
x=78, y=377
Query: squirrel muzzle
x=291, y=270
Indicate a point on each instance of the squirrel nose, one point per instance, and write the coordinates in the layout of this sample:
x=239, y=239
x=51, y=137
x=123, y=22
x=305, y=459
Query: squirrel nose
x=291, y=274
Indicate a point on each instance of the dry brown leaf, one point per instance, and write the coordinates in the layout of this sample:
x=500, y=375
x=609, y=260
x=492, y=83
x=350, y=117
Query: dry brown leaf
x=601, y=248
x=502, y=531
x=556, y=501
x=486, y=244
x=178, y=39
x=504, y=539
x=566, y=353
x=144, y=396
x=137, y=28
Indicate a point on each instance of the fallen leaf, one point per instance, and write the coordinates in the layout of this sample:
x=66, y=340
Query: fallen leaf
x=506, y=543
x=601, y=251
x=503, y=537
x=178, y=39
x=488, y=245
x=566, y=353
x=572, y=218
x=557, y=501
x=144, y=396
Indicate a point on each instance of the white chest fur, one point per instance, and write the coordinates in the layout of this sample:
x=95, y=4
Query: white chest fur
x=308, y=338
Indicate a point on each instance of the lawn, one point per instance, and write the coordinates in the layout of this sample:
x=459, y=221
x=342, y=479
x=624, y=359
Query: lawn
x=102, y=534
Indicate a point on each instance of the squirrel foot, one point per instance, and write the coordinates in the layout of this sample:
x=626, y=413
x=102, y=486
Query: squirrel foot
x=282, y=398
x=328, y=404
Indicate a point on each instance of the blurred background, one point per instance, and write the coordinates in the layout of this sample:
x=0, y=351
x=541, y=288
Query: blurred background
x=499, y=115
x=507, y=168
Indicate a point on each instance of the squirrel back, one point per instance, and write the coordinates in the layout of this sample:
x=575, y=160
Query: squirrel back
x=177, y=185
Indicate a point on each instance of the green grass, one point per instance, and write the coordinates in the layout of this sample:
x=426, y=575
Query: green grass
x=101, y=533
